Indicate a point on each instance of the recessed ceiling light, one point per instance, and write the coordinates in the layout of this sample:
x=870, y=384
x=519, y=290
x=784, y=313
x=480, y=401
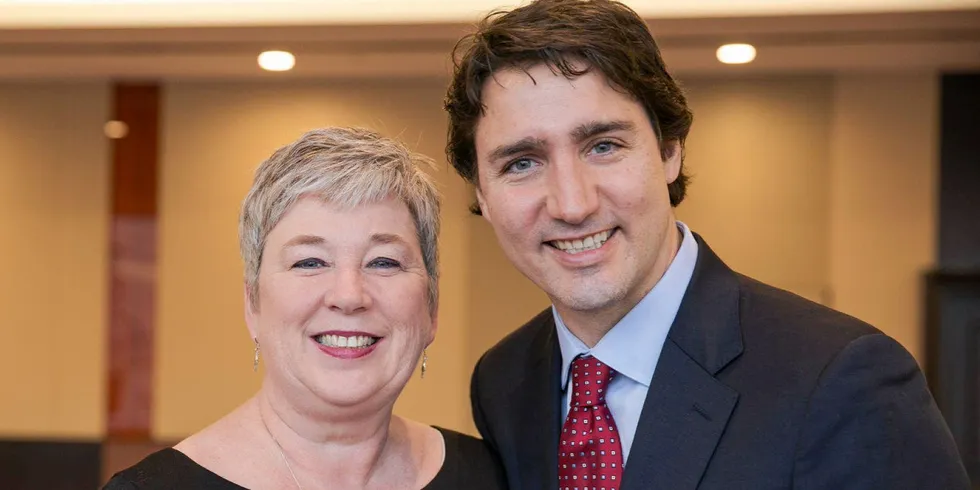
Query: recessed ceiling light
x=736, y=54
x=277, y=60
x=116, y=129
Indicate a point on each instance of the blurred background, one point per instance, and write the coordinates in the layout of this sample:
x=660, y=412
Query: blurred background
x=842, y=163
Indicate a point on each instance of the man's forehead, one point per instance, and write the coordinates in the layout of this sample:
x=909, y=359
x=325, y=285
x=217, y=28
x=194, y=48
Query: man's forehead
x=510, y=109
x=515, y=75
x=532, y=75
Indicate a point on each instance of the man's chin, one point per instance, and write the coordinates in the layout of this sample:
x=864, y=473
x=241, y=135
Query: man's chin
x=586, y=299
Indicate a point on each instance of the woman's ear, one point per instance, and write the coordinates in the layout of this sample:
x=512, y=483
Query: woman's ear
x=251, y=317
x=435, y=325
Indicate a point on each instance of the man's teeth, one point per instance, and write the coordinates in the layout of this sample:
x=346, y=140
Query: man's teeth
x=355, y=342
x=577, y=246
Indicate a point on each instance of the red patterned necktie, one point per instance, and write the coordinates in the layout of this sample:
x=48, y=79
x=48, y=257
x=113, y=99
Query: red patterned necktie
x=589, y=454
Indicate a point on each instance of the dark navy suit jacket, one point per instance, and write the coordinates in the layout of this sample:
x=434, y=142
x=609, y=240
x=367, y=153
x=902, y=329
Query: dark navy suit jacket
x=756, y=388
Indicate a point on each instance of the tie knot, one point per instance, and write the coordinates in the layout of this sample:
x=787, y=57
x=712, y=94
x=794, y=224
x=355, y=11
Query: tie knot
x=589, y=380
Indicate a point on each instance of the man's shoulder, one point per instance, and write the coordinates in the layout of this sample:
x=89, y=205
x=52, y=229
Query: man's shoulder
x=522, y=346
x=772, y=318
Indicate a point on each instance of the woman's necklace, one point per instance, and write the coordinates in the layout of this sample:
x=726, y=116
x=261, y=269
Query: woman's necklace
x=281, y=453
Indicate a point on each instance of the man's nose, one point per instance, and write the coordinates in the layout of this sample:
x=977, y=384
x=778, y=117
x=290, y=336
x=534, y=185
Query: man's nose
x=572, y=191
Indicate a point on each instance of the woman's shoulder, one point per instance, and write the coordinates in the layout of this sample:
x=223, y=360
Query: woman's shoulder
x=463, y=444
x=168, y=469
x=469, y=463
x=161, y=464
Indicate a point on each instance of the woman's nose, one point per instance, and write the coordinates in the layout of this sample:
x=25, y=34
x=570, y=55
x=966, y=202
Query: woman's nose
x=348, y=294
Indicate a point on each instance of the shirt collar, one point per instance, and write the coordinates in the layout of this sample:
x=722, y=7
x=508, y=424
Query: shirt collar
x=632, y=347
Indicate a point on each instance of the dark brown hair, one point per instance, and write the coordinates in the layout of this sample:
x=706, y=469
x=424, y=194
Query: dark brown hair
x=606, y=35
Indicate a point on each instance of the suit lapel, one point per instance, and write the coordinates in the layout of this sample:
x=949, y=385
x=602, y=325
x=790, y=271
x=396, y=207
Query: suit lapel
x=685, y=413
x=687, y=408
x=538, y=407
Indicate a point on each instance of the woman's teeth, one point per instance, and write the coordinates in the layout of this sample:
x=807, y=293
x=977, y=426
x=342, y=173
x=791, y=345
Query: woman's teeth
x=354, y=342
x=588, y=243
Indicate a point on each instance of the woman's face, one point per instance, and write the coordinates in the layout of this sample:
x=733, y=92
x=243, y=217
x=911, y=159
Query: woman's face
x=342, y=311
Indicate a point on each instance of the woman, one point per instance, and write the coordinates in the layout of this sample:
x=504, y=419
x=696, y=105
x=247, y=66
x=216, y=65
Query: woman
x=339, y=239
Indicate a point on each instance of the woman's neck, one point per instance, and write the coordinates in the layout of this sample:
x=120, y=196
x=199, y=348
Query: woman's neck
x=334, y=449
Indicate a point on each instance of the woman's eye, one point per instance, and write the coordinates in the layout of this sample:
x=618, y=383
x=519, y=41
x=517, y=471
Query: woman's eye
x=309, y=264
x=384, y=263
x=520, y=165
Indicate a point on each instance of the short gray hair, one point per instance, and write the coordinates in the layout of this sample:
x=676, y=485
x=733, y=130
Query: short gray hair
x=349, y=167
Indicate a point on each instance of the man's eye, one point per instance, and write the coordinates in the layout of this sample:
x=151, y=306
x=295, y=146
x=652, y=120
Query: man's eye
x=604, y=147
x=384, y=263
x=520, y=165
x=309, y=264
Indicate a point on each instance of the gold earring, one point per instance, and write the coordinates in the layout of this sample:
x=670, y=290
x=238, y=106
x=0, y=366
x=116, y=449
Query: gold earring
x=425, y=358
x=255, y=361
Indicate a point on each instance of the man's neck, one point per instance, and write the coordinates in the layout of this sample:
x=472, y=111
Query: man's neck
x=590, y=326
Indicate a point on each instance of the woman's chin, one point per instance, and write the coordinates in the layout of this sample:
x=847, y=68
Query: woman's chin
x=367, y=382
x=350, y=390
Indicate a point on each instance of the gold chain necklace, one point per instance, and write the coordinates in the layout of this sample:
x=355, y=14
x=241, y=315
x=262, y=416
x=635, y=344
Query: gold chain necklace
x=281, y=453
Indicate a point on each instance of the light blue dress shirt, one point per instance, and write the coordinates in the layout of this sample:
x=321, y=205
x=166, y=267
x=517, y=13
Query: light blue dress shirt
x=632, y=347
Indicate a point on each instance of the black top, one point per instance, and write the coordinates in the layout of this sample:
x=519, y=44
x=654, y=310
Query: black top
x=469, y=465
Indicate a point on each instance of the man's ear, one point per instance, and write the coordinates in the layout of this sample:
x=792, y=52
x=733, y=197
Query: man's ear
x=672, y=164
x=484, y=205
x=251, y=319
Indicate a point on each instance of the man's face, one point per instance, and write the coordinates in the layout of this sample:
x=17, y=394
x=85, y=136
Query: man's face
x=572, y=180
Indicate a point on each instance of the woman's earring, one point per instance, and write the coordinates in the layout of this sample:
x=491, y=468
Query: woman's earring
x=255, y=361
x=425, y=358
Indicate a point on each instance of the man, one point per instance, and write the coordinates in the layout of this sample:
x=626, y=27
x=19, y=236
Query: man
x=657, y=367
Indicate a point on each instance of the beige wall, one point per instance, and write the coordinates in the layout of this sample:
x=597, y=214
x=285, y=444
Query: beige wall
x=758, y=155
x=883, y=189
x=214, y=137
x=822, y=186
x=54, y=212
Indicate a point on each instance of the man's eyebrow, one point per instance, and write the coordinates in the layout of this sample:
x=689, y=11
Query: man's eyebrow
x=521, y=146
x=595, y=128
x=580, y=133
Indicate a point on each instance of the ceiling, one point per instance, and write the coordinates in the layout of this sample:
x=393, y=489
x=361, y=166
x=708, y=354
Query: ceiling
x=330, y=45
x=23, y=14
